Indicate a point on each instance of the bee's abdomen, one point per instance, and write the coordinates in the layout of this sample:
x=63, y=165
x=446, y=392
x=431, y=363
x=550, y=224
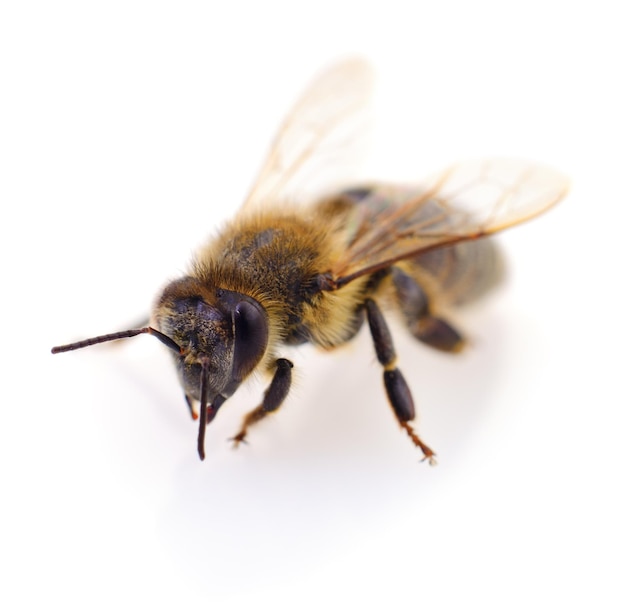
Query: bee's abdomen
x=452, y=275
x=462, y=273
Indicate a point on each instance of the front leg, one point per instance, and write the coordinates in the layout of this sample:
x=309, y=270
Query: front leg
x=398, y=391
x=272, y=399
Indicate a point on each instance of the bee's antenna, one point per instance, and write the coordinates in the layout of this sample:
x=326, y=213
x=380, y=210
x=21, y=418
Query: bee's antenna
x=207, y=412
x=170, y=343
x=204, y=388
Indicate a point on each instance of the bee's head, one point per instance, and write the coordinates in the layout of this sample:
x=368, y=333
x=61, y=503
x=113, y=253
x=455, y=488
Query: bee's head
x=221, y=336
x=217, y=338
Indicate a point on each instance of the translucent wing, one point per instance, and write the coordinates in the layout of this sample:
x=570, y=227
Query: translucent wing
x=324, y=122
x=466, y=202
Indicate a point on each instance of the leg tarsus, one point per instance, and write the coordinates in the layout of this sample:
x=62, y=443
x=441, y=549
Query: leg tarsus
x=239, y=438
x=429, y=455
x=258, y=413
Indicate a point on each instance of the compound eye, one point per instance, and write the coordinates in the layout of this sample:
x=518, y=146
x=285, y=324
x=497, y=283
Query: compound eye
x=251, y=336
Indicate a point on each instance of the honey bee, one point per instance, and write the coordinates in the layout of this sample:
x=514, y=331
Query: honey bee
x=283, y=274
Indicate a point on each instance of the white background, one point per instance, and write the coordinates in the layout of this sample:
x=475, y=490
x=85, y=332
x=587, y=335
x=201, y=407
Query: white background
x=128, y=130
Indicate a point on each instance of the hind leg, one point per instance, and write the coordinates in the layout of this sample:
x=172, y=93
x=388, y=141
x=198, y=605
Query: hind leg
x=426, y=327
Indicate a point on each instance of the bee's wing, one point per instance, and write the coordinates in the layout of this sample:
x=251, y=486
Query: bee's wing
x=324, y=122
x=466, y=202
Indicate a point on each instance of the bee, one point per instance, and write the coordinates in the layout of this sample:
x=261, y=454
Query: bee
x=285, y=273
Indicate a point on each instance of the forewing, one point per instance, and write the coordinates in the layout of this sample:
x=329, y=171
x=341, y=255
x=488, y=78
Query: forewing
x=466, y=202
x=317, y=140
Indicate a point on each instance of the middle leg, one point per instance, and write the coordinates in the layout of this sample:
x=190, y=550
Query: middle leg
x=398, y=391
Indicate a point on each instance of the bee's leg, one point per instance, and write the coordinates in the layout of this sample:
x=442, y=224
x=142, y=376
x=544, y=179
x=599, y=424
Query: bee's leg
x=397, y=389
x=424, y=326
x=272, y=399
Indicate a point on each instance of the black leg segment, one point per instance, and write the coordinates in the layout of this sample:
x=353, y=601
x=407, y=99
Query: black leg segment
x=398, y=391
x=383, y=344
x=399, y=394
